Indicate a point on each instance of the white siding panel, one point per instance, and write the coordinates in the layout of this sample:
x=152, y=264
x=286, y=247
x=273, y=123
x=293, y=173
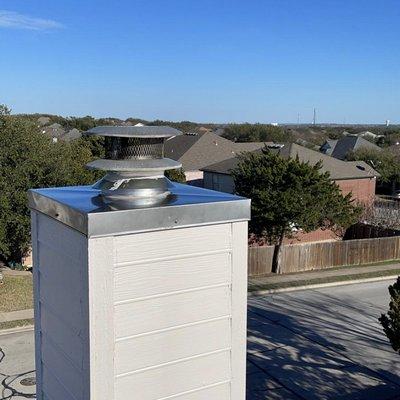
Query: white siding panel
x=57, y=297
x=65, y=339
x=61, y=274
x=66, y=240
x=175, y=242
x=219, y=392
x=173, y=379
x=62, y=278
x=172, y=345
x=60, y=367
x=135, y=281
x=67, y=270
x=52, y=388
x=172, y=310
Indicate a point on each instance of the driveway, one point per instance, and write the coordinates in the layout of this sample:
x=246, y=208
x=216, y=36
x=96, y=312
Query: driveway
x=312, y=344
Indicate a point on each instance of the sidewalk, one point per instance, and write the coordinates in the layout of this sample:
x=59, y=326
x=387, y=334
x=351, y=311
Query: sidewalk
x=16, y=315
x=12, y=272
x=274, y=283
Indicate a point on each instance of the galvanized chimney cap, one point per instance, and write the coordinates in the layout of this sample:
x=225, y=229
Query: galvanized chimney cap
x=135, y=165
x=135, y=131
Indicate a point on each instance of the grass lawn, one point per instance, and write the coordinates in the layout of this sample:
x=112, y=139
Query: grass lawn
x=16, y=293
x=15, y=324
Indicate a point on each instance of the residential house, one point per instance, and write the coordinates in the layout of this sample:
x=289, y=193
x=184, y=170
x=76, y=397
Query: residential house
x=71, y=135
x=342, y=147
x=43, y=121
x=57, y=132
x=198, y=150
x=355, y=177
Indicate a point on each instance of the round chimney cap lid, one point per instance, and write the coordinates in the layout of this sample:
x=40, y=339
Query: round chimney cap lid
x=149, y=165
x=135, y=131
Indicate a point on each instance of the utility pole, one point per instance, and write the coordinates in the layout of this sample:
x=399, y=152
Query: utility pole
x=314, y=116
x=298, y=120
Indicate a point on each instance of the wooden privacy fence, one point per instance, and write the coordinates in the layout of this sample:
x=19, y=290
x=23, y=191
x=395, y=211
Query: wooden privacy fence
x=321, y=255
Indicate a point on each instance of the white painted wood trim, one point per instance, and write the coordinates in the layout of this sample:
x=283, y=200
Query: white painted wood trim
x=239, y=310
x=101, y=317
x=36, y=298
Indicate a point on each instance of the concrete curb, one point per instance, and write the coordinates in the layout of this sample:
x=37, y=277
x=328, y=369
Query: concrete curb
x=262, y=292
x=20, y=329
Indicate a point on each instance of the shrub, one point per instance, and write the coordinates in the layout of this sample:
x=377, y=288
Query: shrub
x=391, y=320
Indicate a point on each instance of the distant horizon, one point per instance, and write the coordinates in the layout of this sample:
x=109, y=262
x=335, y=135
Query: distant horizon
x=308, y=124
x=260, y=61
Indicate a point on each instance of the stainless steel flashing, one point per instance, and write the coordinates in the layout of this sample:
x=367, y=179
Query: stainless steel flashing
x=82, y=209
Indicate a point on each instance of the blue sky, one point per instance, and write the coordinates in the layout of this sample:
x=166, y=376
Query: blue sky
x=208, y=60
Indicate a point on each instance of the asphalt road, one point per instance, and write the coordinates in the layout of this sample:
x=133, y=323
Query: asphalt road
x=17, y=365
x=311, y=344
x=322, y=344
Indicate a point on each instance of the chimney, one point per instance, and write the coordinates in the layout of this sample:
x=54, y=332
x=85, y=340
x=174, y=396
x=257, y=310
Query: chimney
x=140, y=283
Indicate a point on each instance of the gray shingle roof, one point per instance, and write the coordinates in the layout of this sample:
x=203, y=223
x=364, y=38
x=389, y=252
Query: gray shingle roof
x=350, y=143
x=337, y=169
x=71, y=135
x=205, y=148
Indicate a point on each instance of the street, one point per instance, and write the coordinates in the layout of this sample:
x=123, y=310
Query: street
x=311, y=344
x=17, y=366
x=322, y=344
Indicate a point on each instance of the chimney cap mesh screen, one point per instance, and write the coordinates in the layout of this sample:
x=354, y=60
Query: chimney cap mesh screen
x=131, y=148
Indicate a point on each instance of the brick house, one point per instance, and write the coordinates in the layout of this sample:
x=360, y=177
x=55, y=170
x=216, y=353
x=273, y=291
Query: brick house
x=202, y=148
x=355, y=177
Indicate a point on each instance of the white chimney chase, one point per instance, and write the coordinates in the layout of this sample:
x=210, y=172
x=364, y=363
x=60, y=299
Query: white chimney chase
x=138, y=300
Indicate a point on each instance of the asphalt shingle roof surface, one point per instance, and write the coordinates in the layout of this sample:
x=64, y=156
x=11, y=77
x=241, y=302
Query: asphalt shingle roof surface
x=337, y=169
x=198, y=151
x=350, y=143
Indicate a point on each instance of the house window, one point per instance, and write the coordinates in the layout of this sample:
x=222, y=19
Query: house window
x=215, y=181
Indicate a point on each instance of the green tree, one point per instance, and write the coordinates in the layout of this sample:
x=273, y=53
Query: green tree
x=391, y=320
x=383, y=161
x=256, y=133
x=176, y=175
x=288, y=195
x=29, y=159
x=81, y=123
